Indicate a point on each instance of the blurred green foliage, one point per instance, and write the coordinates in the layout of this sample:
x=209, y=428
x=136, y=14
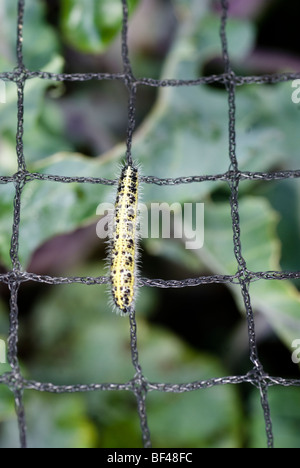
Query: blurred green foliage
x=44, y=122
x=68, y=351
x=91, y=26
x=73, y=335
x=283, y=402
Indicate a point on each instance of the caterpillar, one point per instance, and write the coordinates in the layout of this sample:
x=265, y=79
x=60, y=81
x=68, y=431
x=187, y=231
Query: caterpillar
x=123, y=244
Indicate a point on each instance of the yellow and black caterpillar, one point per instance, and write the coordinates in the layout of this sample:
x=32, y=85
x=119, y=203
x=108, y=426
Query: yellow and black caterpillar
x=123, y=243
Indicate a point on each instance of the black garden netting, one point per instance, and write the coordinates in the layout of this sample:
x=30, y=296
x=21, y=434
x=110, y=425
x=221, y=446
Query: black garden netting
x=139, y=385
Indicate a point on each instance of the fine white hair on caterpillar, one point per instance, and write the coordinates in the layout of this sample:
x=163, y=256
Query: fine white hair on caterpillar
x=124, y=239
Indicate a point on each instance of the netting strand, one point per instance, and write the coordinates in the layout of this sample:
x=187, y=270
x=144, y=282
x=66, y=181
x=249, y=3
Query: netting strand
x=139, y=385
x=234, y=202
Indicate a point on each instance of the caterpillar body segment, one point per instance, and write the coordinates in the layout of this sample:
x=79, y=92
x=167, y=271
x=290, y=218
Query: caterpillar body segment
x=123, y=251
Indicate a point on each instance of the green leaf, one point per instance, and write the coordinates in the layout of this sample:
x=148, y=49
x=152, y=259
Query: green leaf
x=177, y=126
x=53, y=421
x=41, y=54
x=90, y=26
x=185, y=134
x=79, y=339
x=278, y=301
x=37, y=53
x=272, y=107
x=258, y=222
x=6, y=221
x=284, y=403
x=7, y=406
x=284, y=195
